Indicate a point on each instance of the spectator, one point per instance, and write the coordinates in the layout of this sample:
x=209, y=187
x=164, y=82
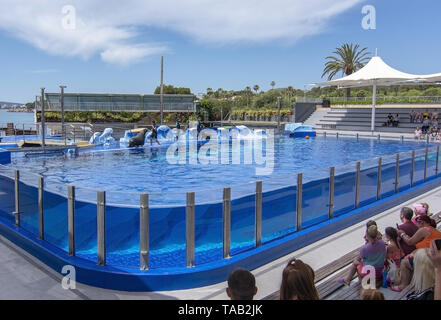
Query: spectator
x=434, y=254
x=427, y=114
x=372, y=253
x=241, y=285
x=424, y=273
x=390, y=119
x=412, y=116
x=298, y=282
x=435, y=115
x=418, y=133
x=372, y=223
x=408, y=227
x=418, y=117
x=421, y=240
x=396, y=120
x=372, y=294
x=419, y=209
x=393, y=249
x=426, y=125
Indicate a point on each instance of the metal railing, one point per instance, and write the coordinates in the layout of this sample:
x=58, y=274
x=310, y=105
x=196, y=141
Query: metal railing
x=226, y=204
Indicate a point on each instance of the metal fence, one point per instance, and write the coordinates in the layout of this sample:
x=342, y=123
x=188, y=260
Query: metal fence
x=274, y=208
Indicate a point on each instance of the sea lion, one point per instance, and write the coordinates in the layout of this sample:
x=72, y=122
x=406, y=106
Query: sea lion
x=138, y=140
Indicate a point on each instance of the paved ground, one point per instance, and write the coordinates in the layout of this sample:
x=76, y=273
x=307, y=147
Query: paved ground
x=24, y=277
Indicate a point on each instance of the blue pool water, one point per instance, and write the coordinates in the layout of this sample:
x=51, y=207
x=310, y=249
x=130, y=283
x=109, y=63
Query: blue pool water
x=125, y=173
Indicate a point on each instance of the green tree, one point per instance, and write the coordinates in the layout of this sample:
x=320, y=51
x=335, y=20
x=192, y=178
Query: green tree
x=256, y=88
x=170, y=89
x=273, y=84
x=348, y=59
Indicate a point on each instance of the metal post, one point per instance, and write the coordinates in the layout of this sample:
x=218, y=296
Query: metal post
x=437, y=161
x=379, y=179
x=357, y=185
x=426, y=159
x=189, y=229
x=40, y=208
x=71, y=219
x=43, y=121
x=397, y=173
x=378, y=137
x=63, y=131
x=226, y=218
x=101, y=227
x=17, y=197
x=357, y=136
x=402, y=138
x=162, y=90
x=331, y=192
x=412, y=168
x=324, y=133
x=258, y=214
x=336, y=135
x=144, y=231
x=299, y=200
x=278, y=114
x=427, y=138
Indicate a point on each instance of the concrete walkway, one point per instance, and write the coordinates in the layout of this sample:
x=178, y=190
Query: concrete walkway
x=24, y=277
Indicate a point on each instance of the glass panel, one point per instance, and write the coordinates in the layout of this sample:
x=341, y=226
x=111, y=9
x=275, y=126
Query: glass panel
x=85, y=224
x=431, y=163
x=242, y=217
x=388, y=173
x=315, y=197
x=208, y=226
x=344, y=188
x=122, y=229
x=28, y=190
x=405, y=171
x=368, y=181
x=55, y=214
x=279, y=203
x=7, y=199
x=167, y=233
x=418, y=177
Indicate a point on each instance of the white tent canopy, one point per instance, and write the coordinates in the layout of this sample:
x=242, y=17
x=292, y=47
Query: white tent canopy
x=377, y=72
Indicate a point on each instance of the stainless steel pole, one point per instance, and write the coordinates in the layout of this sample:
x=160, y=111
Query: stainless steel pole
x=437, y=161
x=63, y=130
x=144, y=231
x=299, y=200
x=40, y=208
x=258, y=214
x=43, y=121
x=357, y=185
x=101, y=227
x=17, y=197
x=379, y=179
x=71, y=219
x=331, y=192
x=162, y=90
x=426, y=159
x=190, y=229
x=412, y=169
x=226, y=218
x=397, y=173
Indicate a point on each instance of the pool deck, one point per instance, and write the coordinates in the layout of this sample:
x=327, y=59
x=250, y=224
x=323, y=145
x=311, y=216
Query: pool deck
x=24, y=277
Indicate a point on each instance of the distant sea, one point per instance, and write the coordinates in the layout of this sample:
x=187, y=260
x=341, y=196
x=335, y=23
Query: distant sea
x=15, y=117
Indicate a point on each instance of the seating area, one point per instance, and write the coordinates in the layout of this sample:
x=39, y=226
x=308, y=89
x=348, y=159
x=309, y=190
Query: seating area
x=329, y=288
x=359, y=119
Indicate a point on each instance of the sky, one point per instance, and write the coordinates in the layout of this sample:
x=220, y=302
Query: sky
x=116, y=46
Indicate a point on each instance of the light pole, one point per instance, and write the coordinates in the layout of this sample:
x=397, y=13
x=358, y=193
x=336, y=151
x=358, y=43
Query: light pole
x=63, y=130
x=278, y=114
x=43, y=129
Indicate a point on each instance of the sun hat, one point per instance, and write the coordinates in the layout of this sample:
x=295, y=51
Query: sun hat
x=419, y=208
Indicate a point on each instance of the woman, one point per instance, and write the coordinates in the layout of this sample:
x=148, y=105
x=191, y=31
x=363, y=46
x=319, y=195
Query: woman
x=373, y=253
x=421, y=239
x=393, y=249
x=419, y=209
x=298, y=282
x=424, y=273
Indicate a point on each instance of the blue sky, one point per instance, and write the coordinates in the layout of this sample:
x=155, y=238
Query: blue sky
x=121, y=53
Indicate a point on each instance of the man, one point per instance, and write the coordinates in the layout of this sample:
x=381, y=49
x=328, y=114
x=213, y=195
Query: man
x=408, y=227
x=241, y=285
x=154, y=134
x=412, y=116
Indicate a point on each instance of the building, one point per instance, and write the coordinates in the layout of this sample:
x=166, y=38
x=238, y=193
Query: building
x=121, y=102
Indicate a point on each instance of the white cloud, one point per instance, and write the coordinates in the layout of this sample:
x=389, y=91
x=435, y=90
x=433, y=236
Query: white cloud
x=112, y=28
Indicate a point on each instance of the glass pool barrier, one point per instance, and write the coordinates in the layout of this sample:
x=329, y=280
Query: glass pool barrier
x=130, y=229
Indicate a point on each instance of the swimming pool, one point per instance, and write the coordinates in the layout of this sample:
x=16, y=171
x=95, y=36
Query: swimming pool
x=124, y=174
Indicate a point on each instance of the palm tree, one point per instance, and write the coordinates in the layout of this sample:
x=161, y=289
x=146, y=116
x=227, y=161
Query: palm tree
x=273, y=84
x=209, y=91
x=348, y=59
x=256, y=88
x=248, y=90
